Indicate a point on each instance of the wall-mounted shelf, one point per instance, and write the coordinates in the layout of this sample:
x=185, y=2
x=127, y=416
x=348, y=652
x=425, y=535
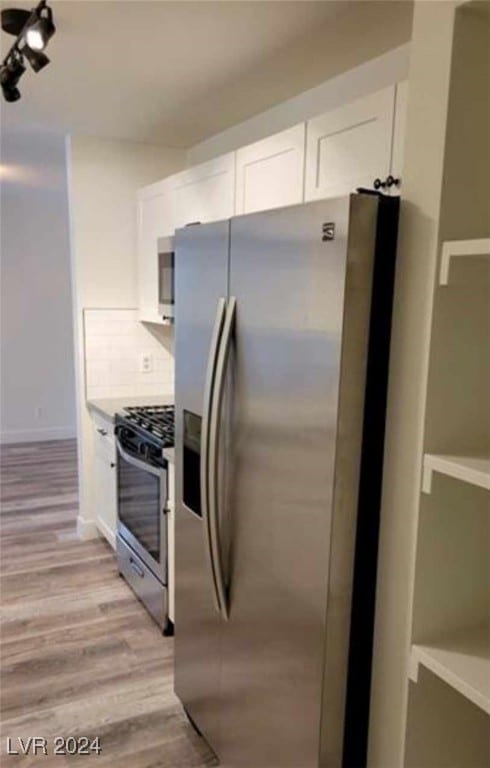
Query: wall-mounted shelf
x=457, y=248
x=470, y=469
x=154, y=319
x=463, y=662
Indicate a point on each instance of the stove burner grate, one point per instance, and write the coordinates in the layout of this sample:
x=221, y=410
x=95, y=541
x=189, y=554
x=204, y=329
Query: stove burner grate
x=158, y=420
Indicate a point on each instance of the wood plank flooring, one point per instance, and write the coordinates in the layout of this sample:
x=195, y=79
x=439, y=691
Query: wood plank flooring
x=79, y=654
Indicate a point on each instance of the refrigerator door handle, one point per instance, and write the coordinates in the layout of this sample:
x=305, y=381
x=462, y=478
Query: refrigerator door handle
x=214, y=446
x=205, y=432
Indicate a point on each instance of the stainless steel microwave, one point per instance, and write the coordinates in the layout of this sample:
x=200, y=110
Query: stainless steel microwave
x=166, y=279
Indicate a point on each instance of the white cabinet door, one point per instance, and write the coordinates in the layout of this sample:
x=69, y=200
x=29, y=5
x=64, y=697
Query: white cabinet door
x=350, y=146
x=156, y=219
x=105, y=480
x=399, y=134
x=171, y=540
x=206, y=192
x=270, y=173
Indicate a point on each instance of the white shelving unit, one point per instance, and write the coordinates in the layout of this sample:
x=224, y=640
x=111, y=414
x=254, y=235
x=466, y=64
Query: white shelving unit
x=463, y=662
x=458, y=248
x=469, y=469
x=448, y=664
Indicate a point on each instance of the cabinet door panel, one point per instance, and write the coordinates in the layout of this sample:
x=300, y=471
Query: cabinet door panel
x=205, y=193
x=155, y=219
x=350, y=146
x=105, y=480
x=270, y=173
x=147, y=252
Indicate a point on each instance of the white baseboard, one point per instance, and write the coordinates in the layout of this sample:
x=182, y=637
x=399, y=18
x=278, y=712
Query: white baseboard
x=86, y=529
x=37, y=435
x=107, y=533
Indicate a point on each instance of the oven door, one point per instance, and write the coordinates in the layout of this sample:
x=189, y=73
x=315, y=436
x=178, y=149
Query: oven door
x=142, y=501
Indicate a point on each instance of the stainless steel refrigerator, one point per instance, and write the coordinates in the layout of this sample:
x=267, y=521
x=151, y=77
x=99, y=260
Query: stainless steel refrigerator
x=281, y=349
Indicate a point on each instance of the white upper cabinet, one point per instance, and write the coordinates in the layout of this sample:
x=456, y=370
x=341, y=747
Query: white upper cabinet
x=270, y=173
x=331, y=155
x=206, y=192
x=350, y=147
x=156, y=218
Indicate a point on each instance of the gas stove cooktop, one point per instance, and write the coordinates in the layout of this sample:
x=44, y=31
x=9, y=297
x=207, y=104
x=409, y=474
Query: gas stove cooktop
x=156, y=421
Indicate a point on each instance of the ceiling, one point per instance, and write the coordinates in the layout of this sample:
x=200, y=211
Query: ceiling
x=175, y=73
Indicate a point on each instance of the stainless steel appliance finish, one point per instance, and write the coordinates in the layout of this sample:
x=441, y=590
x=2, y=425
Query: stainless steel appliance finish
x=166, y=282
x=142, y=494
x=275, y=318
x=142, y=581
x=141, y=434
x=201, y=280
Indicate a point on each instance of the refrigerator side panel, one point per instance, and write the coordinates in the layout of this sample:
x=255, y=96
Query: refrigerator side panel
x=287, y=271
x=370, y=485
x=353, y=371
x=201, y=273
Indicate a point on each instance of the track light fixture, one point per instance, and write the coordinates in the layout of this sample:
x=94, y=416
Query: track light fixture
x=33, y=30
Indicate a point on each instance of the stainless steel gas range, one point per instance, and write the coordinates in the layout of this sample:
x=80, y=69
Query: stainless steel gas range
x=142, y=528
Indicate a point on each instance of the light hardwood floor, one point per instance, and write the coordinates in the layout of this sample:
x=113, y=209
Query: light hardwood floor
x=79, y=655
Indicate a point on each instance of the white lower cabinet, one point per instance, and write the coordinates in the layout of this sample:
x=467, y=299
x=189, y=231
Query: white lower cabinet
x=171, y=540
x=105, y=479
x=350, y=147
x=270, y=173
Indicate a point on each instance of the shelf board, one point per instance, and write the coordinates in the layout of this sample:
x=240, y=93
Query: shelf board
x=470, y=469
x=463, y=662
x=154, y=319
x=452, y=248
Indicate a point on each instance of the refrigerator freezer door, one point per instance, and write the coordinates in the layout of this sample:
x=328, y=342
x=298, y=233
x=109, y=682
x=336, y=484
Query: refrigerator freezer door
x=201, y=258
x=288, y=271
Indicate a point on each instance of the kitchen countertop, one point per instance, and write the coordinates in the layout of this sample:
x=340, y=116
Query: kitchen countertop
x=108, y=407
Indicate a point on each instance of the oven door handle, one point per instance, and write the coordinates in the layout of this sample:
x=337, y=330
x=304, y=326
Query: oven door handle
x=138, y=463
x=205, y=432
x=214, y=452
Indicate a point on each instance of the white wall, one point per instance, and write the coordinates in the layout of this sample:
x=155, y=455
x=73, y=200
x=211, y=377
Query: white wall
x=103, y=178
x=37, y=364
x=372, y=75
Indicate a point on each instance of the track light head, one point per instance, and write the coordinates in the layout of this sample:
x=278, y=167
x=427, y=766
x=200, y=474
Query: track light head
x=10, y=74
x=14, y=20
x=37, y=59
x=10, y=94
x=41, y=30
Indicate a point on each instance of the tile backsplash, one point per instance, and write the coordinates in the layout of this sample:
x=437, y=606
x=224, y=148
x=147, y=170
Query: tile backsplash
x=115, y=342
